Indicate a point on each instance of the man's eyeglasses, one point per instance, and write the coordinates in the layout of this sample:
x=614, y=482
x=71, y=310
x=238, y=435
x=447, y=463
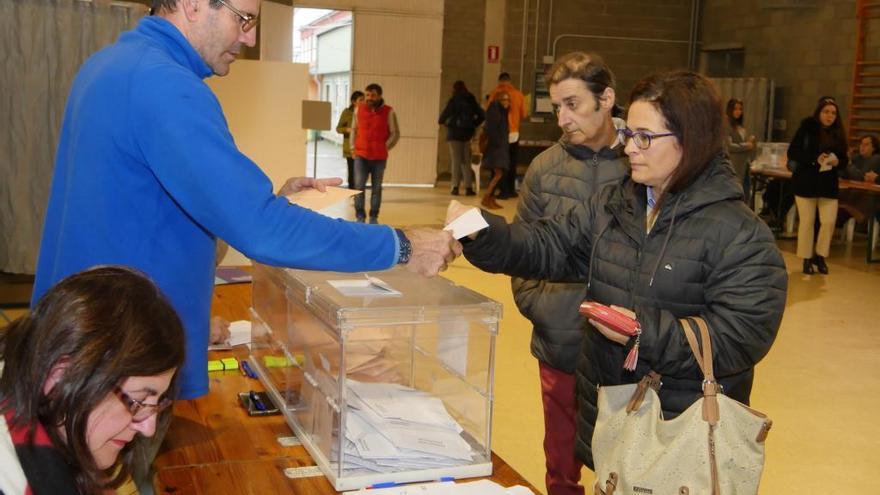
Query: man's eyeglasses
x=248, y=21
x=642, y=139
x=138, y=410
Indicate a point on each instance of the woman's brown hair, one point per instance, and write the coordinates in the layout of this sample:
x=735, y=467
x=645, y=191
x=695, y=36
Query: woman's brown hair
x=691, y=107
x=107, y=323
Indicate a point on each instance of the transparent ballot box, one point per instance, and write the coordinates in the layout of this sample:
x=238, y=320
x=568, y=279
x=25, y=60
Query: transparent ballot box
x=770, y=156
x=384, y=377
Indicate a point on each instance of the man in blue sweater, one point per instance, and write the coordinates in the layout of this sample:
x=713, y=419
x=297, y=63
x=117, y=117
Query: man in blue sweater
x=147, y=175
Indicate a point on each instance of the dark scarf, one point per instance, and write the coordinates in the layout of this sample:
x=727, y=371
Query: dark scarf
x=44, y=467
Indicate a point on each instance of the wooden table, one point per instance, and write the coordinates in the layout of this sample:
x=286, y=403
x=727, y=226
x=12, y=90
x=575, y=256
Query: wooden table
x=213, y=447
x=873, y=190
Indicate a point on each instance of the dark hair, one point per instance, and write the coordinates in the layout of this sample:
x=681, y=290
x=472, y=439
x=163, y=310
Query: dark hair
x=375, y=87
x=875, y=143
x=588, y=67
x=356, y=96
x=109, y=323
x=171, y=5
x=504, y=76
x=838, y=133
x=731, y=104
x=691, y=107
x=458, y=87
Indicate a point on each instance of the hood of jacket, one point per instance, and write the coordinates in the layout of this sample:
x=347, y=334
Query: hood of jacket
x=628, y=204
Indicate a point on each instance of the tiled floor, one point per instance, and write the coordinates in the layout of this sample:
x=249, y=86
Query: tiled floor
x=820, y=382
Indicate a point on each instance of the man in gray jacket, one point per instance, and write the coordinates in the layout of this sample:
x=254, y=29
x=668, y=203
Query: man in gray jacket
x=586, y=159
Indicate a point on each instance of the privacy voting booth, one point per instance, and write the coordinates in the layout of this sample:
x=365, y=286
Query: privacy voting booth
x=384, y=377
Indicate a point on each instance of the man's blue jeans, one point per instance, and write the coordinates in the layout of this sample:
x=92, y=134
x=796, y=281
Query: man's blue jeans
x=375, y=169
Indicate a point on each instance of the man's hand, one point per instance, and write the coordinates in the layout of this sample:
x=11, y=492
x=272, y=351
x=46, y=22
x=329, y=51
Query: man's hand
x=297, y=184
x=219, y=331
x=871, y=177
x=432, y=250
x=455, y=210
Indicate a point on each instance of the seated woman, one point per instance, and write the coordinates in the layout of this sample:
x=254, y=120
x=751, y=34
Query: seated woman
x=673, y=241
x=87, y=373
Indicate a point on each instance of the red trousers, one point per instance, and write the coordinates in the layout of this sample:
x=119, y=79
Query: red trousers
x=560, y=430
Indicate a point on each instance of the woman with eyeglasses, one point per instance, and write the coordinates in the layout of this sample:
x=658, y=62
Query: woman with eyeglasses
x=87, y=373
x=674, y=240
x=816, y=153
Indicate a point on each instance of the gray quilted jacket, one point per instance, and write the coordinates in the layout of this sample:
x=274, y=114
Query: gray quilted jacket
x=707, y=255
x=557, y=181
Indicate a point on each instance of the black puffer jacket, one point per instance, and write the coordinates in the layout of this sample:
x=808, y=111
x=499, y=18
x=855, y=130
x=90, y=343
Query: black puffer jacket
x=707, y=255
x=461, y=116
x=558, y=180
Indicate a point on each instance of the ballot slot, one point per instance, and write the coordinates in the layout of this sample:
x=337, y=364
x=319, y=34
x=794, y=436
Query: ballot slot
x=379, y=388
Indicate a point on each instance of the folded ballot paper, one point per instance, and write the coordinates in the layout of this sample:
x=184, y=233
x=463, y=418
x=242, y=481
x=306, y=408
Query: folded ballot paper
x=480, y=487
x=316, y=200
x=466, y=223
x=239, y=334
x=391, y=427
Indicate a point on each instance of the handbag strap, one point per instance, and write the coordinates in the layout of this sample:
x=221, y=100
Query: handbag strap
x=704, y=360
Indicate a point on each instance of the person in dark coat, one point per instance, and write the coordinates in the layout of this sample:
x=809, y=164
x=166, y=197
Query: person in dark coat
x=819, y=150
x=673, y=241
x=497, y=154
x=461, y=116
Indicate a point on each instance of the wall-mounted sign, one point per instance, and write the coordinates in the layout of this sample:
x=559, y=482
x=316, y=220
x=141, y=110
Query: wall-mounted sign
x=492, y=54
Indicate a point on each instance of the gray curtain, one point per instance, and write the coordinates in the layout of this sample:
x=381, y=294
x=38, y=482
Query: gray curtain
x=42, y=45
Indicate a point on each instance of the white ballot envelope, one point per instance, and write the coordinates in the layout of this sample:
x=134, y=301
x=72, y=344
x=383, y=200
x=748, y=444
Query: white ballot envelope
x=316, y=200
x=465, y=225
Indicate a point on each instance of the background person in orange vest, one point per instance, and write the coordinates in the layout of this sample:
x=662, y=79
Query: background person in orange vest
x=374, y=132
x=516, y=114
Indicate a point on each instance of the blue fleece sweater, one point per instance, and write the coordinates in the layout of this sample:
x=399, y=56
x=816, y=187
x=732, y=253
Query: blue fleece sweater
x=148, y=175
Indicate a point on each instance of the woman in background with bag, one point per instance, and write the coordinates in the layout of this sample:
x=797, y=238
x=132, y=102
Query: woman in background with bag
x=819, y=149
x=673, y=241
x=461, y=116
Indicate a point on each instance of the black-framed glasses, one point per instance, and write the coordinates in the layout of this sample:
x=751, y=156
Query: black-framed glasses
x=248, y=21
x=642, y=139
x=138, y=410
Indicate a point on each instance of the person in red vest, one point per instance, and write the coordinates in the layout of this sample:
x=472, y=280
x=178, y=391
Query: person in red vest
x=374, y=132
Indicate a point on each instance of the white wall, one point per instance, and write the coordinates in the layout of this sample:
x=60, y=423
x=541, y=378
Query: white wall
x=262, y=103
x=334, y=50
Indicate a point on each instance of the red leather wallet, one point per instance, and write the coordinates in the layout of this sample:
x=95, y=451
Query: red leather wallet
x=611, y=318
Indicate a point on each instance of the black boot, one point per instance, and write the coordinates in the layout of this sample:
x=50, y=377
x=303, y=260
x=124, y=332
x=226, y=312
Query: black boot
x=808, y=266
x=819, y=261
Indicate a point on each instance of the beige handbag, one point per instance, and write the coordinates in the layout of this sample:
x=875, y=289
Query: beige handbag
x=715, y=446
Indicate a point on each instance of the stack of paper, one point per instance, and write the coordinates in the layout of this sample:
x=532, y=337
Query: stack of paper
x=480, y=487
x=390, y=427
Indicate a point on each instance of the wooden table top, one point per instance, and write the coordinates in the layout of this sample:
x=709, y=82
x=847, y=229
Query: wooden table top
x=844, y=183
x=213, y=446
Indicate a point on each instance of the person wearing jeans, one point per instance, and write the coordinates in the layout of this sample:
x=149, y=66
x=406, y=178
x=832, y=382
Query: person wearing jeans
x=374, y=132
x=375, y=170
